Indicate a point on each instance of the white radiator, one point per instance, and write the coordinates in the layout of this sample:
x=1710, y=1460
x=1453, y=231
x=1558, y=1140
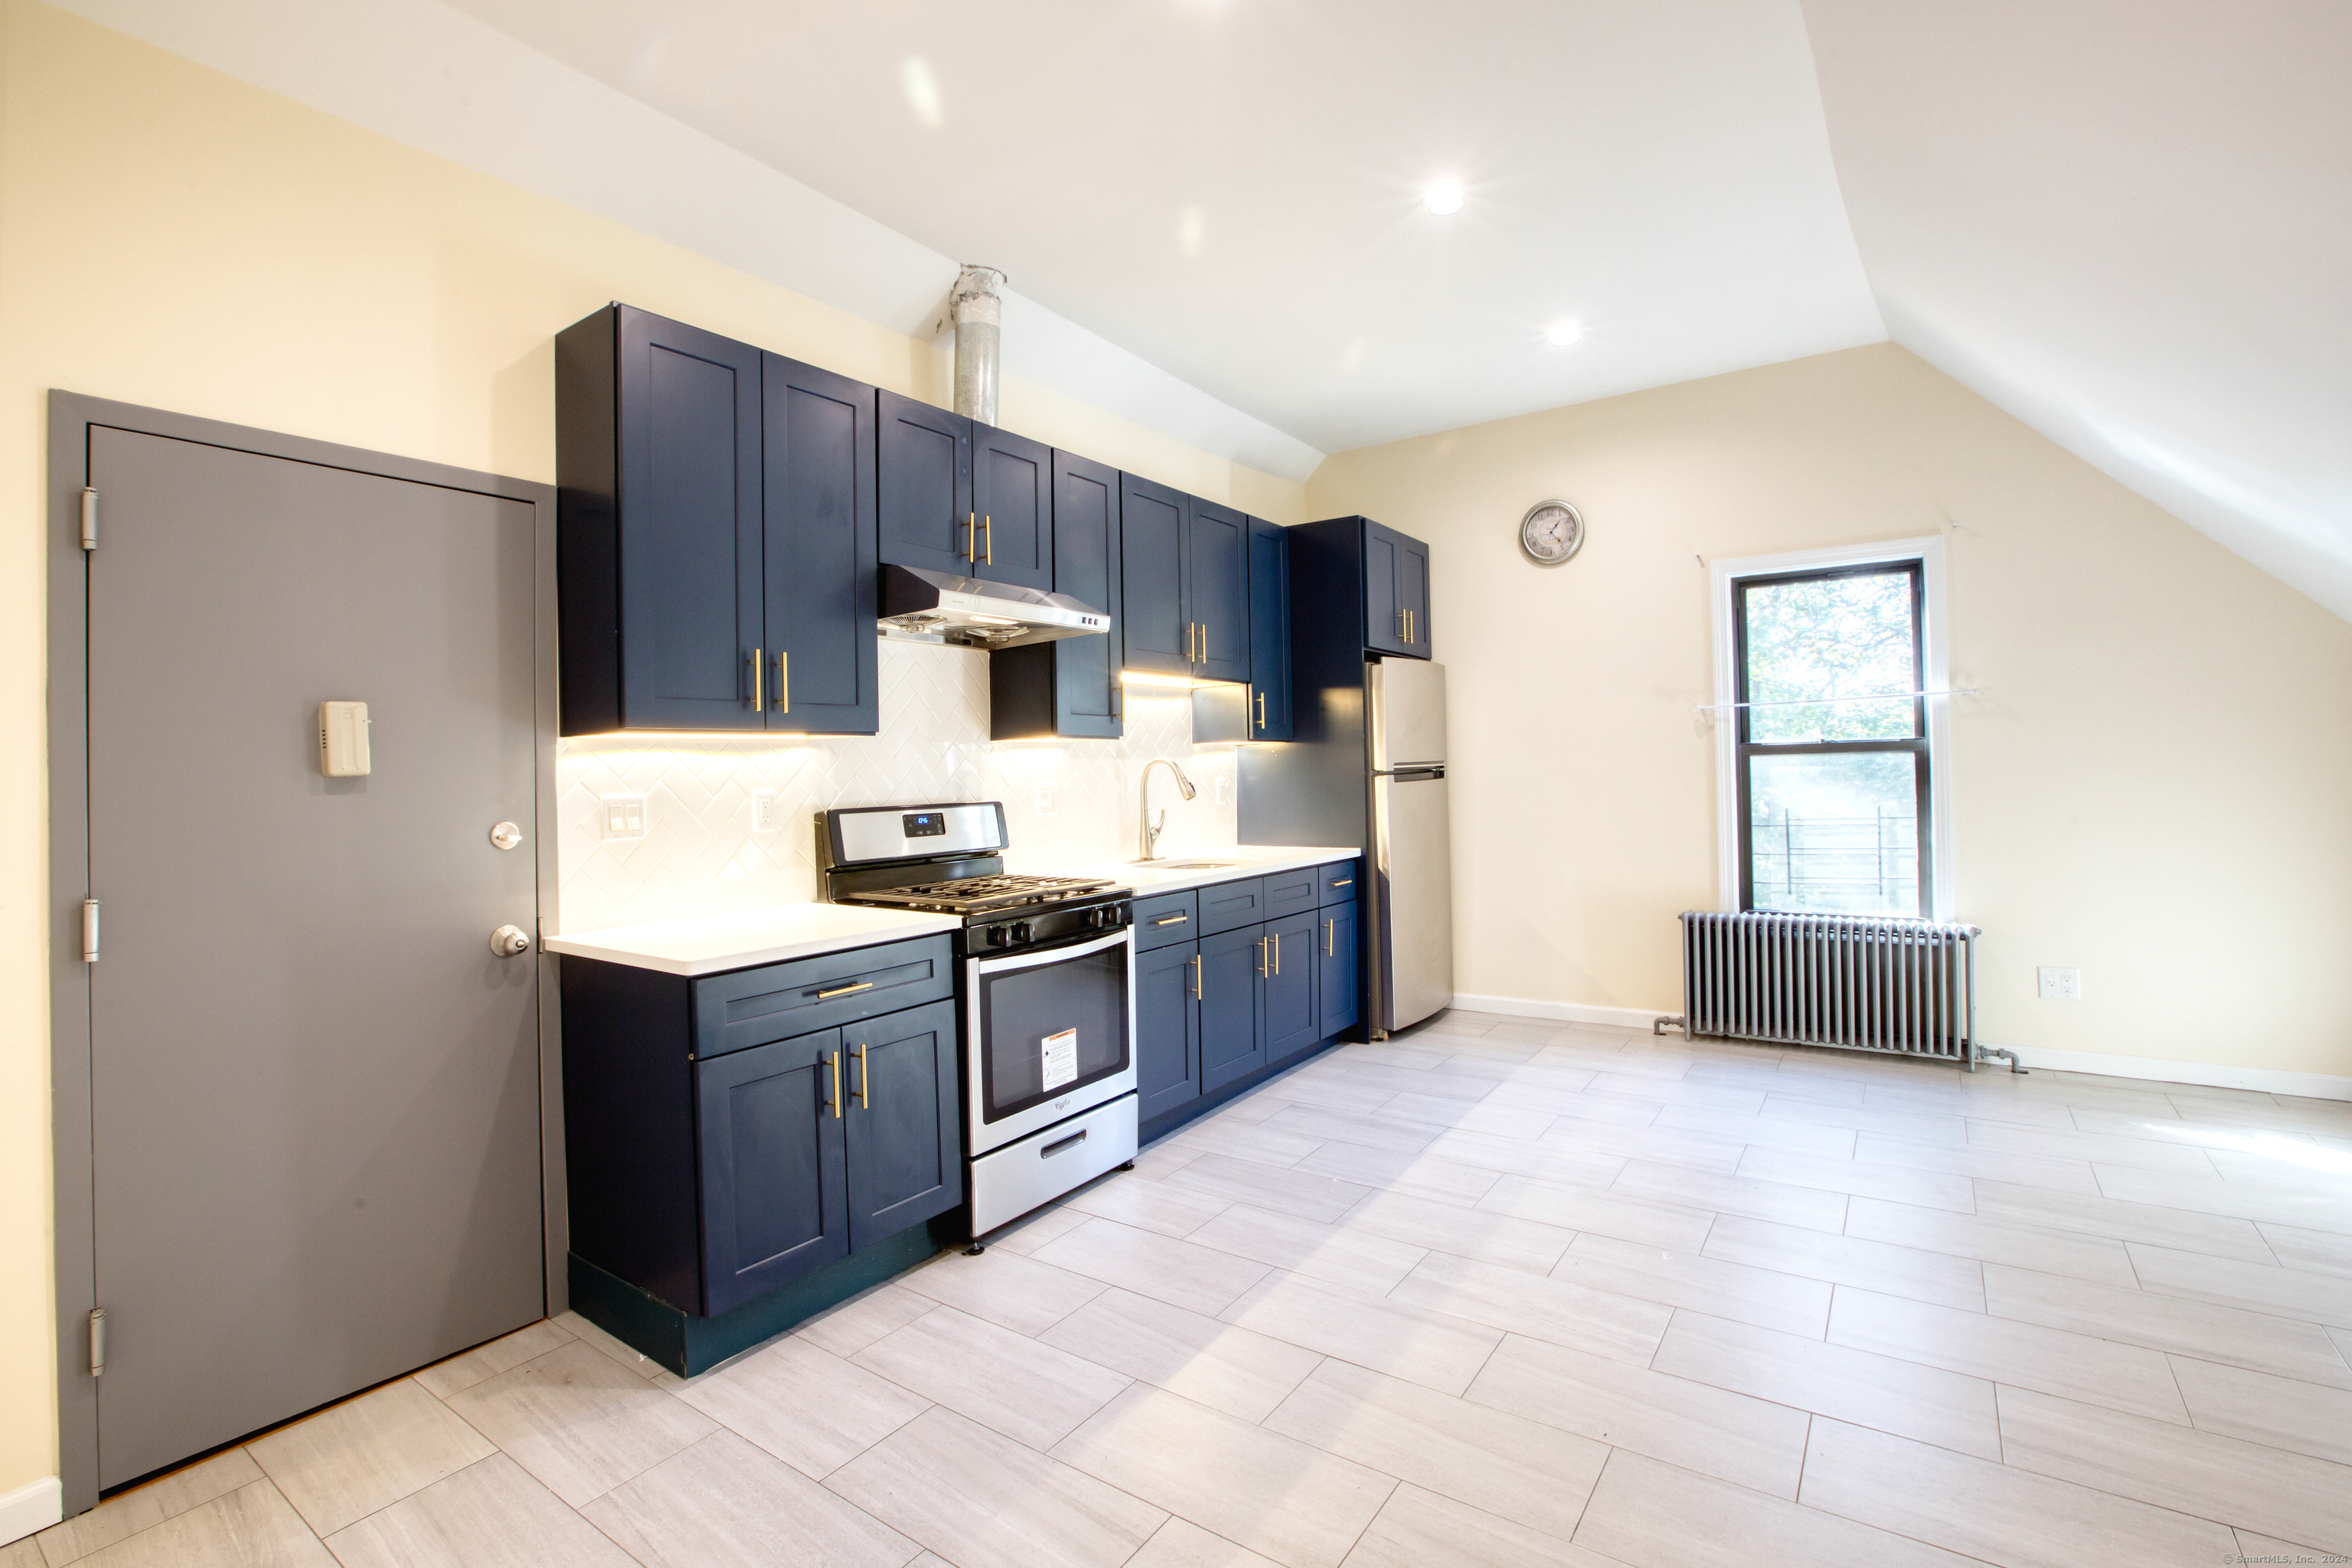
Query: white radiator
x=1901, y=988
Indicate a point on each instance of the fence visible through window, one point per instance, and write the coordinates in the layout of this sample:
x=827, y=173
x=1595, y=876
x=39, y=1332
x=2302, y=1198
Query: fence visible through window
x=1835, y=865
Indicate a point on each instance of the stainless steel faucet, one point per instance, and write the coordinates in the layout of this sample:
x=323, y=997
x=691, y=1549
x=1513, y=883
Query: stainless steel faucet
x=1150, y=834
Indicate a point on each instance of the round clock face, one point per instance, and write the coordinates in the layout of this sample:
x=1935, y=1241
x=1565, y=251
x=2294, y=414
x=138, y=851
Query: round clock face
x=1551, y=533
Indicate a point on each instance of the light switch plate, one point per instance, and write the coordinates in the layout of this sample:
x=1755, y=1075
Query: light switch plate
x=343, y=740
x=623, y=816
x=2061, y=985
x=1048, y=799
x=763, y=811
x=1224, y=789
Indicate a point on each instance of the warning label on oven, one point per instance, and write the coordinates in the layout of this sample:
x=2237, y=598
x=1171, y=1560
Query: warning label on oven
x=1060, y=1060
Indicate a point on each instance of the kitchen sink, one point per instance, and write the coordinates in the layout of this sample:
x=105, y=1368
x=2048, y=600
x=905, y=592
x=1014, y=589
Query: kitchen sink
x=1188, y=864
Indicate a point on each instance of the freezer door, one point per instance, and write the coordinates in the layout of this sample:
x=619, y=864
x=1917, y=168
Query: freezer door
x=1408, y=710
x=1415, y=885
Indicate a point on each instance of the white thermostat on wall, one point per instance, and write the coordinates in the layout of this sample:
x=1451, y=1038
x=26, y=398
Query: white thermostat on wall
x=342, y=740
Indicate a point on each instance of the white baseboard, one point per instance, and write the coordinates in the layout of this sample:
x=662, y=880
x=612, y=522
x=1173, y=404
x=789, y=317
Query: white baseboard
x=36, y=1505
x=2159, y=1070
x=1561, y=1012
x=2209, y=1075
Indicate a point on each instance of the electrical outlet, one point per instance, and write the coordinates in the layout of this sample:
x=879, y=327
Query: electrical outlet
x=623, y=816
x=763, y=811
x=2062, y=984
x=1049, y=798
x=1225, y=790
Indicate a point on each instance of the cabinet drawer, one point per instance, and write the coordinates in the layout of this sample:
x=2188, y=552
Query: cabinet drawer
x=1338, y=881
x=1292, y=892
x=752, y=1007
x=1224, y=905
x=1170, y=917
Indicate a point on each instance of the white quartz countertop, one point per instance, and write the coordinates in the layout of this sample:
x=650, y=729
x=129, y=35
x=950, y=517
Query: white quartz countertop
x=1177, y=870
x=708, y=944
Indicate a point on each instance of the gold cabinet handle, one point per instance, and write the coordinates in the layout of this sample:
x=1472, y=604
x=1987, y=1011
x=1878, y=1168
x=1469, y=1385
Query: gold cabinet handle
x=1172, y=921
x=971, y=551
x=1196, y=977
x=783, y=682
x=833, y=1060
x=1345, y=882
x=865, y=1079
x=987, y=538
x=1204, y=642
x=1261, y=710
x=1400, y=623
x=1261, y=958
x=758, y=670
x=1331, y=939
x=846, y=990
x=1276, y=937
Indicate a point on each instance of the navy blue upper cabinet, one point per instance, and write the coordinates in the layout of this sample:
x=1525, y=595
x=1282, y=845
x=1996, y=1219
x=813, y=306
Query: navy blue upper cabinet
x=1269, y=632
x=1013, y=490
x=1396, y=592
x=818, y=454
x=658, y=463
x=1153, y=564
x=1069, y=687
x=1219, y=578
x=925, y=485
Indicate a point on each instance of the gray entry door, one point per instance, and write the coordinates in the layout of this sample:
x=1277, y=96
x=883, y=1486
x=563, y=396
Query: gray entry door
x=314, y=1089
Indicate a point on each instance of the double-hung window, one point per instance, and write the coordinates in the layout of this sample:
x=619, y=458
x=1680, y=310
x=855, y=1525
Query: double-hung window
x=1830, y=721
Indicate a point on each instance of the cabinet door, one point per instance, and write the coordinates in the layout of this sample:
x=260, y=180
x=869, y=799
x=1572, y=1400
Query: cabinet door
x=1413, y=594
x=775, y=1195
x=1291, y=991
x=1013, y=491
x=1383, y=611
x=1233, y=1007
x=689, y=512
x=1167, y=1028
x=1157, y=635
x=1269, y=631
x=1217, y=542
x=1086, y=567
x=818, y=450
x=906, y=1155
x=924, y=485
x=1337, y=963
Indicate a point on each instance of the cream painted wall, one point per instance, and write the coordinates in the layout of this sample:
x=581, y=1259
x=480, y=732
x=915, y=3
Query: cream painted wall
x=171, y=237
x=2151, y=788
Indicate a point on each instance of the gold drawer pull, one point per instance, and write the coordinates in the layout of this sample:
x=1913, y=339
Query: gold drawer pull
x=1345, y=882
x=1172, y=920
x=846, y=990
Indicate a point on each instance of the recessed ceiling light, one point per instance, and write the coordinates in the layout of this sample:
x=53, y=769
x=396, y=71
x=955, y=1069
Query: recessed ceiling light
x=1564, y=333
x=1445, y=199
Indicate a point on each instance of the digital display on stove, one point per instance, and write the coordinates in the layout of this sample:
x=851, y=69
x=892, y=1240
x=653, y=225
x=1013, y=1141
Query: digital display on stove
x=925, y=824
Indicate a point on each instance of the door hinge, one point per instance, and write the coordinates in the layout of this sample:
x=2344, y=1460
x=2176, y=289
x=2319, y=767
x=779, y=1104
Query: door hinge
x=89, y=931
x=89, y=518
x=97, y=1341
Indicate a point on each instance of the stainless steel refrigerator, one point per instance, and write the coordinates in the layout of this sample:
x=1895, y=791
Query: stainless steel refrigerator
x=1410, y=915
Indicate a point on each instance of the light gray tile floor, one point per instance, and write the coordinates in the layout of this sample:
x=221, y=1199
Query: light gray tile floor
x=1492, y=1293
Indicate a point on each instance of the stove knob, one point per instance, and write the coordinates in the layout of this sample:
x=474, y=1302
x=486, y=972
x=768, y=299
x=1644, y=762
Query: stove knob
x=1020, y=932
x=996, y=936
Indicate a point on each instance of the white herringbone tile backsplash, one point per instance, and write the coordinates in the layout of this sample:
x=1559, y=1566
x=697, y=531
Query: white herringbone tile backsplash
x=699, y=854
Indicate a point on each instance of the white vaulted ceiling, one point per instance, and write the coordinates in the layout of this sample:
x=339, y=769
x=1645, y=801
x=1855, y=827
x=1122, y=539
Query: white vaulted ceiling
x=2128, y=222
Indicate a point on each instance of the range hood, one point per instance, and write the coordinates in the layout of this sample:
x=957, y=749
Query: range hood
x=973, y=613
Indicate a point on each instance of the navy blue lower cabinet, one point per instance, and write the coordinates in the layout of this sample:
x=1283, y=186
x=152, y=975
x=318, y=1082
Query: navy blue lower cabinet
x=775, y=1193
x=1167, y=1027
x=1233, y=1007
x=1290, y=985
x=899, y=1115
x=1338, y=963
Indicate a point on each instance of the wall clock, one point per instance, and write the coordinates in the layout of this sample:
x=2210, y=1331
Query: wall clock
x=1551, y=533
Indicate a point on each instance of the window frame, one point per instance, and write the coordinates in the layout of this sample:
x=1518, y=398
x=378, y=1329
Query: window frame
x=1938, y=887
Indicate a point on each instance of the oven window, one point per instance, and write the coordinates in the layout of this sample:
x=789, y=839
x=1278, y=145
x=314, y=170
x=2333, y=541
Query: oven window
x=1024, y=1013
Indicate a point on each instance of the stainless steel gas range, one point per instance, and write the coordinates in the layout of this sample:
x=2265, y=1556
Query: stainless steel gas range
x=1046, y=987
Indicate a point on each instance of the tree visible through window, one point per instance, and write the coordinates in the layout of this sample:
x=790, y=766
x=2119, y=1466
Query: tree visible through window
x=1833, y=742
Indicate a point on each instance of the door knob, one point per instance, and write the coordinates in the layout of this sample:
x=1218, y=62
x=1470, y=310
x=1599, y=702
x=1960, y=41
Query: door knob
x=510, y=941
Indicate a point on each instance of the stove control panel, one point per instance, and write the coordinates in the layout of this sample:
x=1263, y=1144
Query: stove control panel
x=1048, y=926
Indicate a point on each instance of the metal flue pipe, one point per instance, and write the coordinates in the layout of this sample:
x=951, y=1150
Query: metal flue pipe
x=978, y=312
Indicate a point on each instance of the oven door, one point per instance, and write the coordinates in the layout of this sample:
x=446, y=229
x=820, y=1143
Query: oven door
x=1049, y=1033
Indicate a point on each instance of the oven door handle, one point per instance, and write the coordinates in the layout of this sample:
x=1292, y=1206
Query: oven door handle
x=991, y=964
